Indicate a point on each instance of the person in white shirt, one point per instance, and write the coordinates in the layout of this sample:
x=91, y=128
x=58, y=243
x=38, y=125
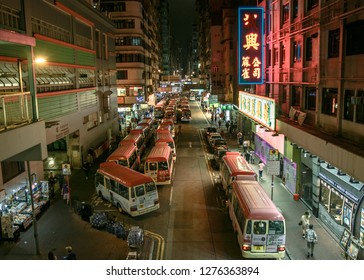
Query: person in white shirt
x=261, y=168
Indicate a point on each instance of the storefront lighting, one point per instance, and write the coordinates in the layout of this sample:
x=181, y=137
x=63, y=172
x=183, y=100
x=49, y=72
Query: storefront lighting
x=40, y=60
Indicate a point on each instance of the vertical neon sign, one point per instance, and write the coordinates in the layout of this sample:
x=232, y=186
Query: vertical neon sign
x=250, y=40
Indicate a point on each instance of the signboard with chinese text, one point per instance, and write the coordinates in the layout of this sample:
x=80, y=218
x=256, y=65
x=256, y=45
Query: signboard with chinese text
x=250, y=45
x=259, y=108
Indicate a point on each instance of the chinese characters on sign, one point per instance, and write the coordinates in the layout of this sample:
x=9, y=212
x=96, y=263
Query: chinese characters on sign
x=258, y=108
x=250, y=61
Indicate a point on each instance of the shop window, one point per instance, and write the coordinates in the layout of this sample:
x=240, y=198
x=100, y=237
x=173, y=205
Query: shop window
x=329, y=101
x=11, y=169
x=348, y=106
x=333, y=43
x=275, y=56
x=310, y=99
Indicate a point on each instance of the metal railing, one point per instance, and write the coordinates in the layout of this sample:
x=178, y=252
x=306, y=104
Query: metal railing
x=15, y=109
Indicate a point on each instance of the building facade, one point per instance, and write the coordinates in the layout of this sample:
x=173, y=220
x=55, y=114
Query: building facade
x=57, y=87
x=137, y=48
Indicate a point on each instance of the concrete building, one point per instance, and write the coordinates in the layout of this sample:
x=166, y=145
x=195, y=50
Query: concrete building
x=310, y=104
x=137, y=48
x=57, y=88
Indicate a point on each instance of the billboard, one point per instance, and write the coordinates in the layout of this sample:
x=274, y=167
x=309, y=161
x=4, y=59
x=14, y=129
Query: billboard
x=250, y=45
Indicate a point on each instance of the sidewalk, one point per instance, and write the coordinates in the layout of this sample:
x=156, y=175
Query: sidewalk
x=326, y=248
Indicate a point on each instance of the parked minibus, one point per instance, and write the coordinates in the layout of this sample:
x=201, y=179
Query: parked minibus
x=259, y=225
x=137, y=140
x=125, y=155
x=165, y=136
x=234, y=167
x=130, y=191
x=159, y=164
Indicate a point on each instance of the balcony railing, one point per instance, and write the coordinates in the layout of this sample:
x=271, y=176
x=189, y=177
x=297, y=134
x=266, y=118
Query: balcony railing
x=15, y=109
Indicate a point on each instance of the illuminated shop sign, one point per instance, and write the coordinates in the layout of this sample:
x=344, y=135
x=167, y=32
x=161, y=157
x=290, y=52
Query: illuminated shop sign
x=250, y=40
x=259, y=108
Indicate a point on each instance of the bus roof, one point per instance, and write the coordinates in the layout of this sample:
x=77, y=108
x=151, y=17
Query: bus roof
x=131, y=138
x=160, y=152
x=167, y=121
x=237, y=165
x=255, y=202
x=164, y=136
x=124, y=175
x=124, y=151
x=139, y=129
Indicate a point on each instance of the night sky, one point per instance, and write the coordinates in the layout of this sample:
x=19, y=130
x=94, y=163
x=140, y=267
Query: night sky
x=182, y=15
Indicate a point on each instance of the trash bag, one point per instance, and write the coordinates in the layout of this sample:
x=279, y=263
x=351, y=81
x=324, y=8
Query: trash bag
x=119, y=230
x=135, y=237
x=99, y=220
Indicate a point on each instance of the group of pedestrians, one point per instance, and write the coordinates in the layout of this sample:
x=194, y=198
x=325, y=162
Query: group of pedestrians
x=69, y=256
x=308, y=233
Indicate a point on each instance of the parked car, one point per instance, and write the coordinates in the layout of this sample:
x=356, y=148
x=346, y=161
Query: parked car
x=218, y=154
x=213, y=136
x=216, y=143
x=209, y=130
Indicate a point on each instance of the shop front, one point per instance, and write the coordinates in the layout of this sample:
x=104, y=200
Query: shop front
x=16, y=214
x=341, y=206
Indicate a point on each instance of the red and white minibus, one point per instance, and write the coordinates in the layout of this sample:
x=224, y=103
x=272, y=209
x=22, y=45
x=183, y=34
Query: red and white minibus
x=130, y=191
x=259, y=225
x=136, y=139
x=234, y=167
x=159, y=164
x=165, y=136
x=125, y=155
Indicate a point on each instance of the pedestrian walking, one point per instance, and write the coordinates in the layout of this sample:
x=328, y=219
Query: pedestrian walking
x=304, y=223
x=227, y=124
x=247, y=157
x=51, y=182
x=86, y=167
x=219, y=122
x=66, y=193
x=311, y=236
x=70, y=254
x=261, y=168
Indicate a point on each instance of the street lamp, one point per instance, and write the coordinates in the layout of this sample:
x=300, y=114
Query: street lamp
x=32, y=180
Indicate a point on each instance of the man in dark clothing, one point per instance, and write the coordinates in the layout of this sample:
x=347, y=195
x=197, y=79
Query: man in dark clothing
x=70, y=255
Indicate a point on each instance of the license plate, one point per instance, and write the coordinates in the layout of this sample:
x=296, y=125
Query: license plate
x=258, y=248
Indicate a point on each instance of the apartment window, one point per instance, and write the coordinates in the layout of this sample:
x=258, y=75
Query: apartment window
x=105, y=47
x=295, y=8
x=97, y=43
x=296, y=96
x=309, y=48
x=360, y=107
x=269, y=58
x=348, y=106
x=296, y=51
x=355, y=38
x=113, y=7
x=329, y=101
x=11, y=169
x=283, y=53
x=310, y=98
x=311, y=4
x=125, y=23
x=333, y=43
x=122, y=74
x=275, y=56
x=285, y=13
x=284, y=94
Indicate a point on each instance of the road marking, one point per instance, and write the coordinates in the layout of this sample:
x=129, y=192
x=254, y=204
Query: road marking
x=170, y=196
